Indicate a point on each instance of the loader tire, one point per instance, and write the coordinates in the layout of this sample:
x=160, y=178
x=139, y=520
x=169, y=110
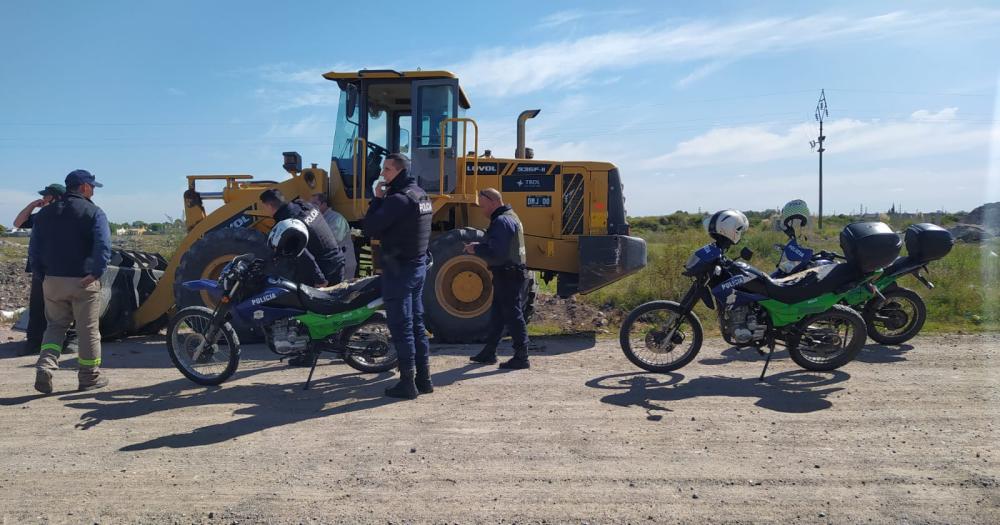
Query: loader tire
x=458, y=291
x=205, y=260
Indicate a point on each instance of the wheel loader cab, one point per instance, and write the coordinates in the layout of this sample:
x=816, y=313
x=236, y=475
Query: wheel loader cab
x=385, y=112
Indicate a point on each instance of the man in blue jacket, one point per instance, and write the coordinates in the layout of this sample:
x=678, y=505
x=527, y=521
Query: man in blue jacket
x=36, y=303
x=505, y=255
x=399, y=216
x=70, y=248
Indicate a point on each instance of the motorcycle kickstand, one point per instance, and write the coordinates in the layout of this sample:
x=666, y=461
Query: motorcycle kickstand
x=770, y=351
x=312, y=369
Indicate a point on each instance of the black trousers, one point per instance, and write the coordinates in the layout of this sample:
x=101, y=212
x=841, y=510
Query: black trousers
x=510, y=288
x=36, y=318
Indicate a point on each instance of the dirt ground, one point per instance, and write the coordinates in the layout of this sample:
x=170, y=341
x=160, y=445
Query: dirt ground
x=903, y=435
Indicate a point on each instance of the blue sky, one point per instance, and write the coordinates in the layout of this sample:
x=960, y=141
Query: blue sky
x=703, y=105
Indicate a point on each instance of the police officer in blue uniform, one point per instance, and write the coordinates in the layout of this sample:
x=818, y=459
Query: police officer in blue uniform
x=505, y=255
x=399, y=216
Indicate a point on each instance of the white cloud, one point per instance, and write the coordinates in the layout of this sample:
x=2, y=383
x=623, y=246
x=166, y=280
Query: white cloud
x=924, y=133
x=309, y=127
x=510, y=71
x=560, y=18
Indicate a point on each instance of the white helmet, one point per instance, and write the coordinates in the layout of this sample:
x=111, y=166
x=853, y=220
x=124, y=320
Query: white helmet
x=288, y=238
x=727, y=226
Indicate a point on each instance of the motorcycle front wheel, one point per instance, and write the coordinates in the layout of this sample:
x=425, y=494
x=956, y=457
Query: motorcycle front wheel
x=203, y=361
x=828, y=340
x=368, y=346
x=660, y=336
x=899, y=319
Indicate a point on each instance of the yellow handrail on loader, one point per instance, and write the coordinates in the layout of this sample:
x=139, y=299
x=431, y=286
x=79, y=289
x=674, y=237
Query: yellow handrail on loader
x=360, y=204
x=461, y=160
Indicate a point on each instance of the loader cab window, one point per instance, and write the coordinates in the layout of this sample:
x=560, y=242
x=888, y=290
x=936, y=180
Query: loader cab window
x=347, y=128
x=437, y=104
x=372, y=111
x=434, y=101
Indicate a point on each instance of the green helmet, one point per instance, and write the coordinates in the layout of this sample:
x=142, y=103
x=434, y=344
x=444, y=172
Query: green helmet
x=796, y=209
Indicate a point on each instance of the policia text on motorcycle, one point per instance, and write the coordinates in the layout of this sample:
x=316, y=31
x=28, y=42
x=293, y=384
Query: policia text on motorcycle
x=399, y=216
x=504, y=253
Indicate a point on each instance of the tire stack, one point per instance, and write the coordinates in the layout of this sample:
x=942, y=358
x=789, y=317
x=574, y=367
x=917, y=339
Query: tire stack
x=129, y=280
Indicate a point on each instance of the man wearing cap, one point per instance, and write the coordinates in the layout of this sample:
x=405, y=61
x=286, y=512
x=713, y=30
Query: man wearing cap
x=36, y=304
x=505, y=255
x=70, y=247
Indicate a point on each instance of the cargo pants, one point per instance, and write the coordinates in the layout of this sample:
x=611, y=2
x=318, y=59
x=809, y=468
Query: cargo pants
x=66, y=301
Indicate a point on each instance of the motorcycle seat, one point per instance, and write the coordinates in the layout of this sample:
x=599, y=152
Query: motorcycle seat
x=903, y=265
x=341, y=298
x=810, y=283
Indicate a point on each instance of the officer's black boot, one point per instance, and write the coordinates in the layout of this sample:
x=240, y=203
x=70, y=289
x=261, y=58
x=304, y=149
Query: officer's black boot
x=406, y=388
x=518, y=362
x=487, y=356
x=423, y=378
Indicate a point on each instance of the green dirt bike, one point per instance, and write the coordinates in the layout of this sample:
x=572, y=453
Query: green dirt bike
x=803, y=311
x=295, y=318
x=898, y=314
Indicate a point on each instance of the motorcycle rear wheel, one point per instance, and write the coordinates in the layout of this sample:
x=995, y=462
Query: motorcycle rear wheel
x=828, y=340
x=643, y=336
x=219, y=358
x=368, y=346
x=899, y=319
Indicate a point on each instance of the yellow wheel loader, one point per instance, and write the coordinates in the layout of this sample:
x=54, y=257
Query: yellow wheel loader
x=573, y=211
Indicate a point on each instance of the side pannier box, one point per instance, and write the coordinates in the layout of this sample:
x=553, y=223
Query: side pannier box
x=870, y=245
x=928, y=242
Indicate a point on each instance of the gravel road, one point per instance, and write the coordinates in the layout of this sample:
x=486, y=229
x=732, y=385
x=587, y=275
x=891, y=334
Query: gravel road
x=902, y=435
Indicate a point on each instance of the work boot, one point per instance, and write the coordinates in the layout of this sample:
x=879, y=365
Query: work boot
x=486, y=356
x=423, y=379
x=90, y=378
x=406, y=388
x=518, y=362
x=43, y=380
x=48, y=361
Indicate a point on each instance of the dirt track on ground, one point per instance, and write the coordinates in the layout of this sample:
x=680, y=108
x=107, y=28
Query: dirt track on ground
x=902, y=435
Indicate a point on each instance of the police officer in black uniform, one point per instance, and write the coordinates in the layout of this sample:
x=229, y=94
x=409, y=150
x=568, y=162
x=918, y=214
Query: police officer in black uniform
x=322, y=263
x=400, y=217
x=505, y=255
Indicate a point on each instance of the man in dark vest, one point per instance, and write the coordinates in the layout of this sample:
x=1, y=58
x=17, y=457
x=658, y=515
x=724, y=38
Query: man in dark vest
x=399, y=216
x=36, y=302
x=322, y=263
x=505, y=255
x=70, y=247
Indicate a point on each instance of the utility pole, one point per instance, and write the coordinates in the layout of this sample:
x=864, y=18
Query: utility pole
x=821, y=112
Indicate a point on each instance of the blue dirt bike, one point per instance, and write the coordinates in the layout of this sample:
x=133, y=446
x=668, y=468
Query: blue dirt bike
x=294, y=319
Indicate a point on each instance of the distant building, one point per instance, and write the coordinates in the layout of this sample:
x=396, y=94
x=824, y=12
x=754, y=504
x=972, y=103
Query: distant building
x=130, y=231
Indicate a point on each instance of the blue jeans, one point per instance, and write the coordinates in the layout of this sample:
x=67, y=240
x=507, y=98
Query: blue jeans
x=402, y=291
